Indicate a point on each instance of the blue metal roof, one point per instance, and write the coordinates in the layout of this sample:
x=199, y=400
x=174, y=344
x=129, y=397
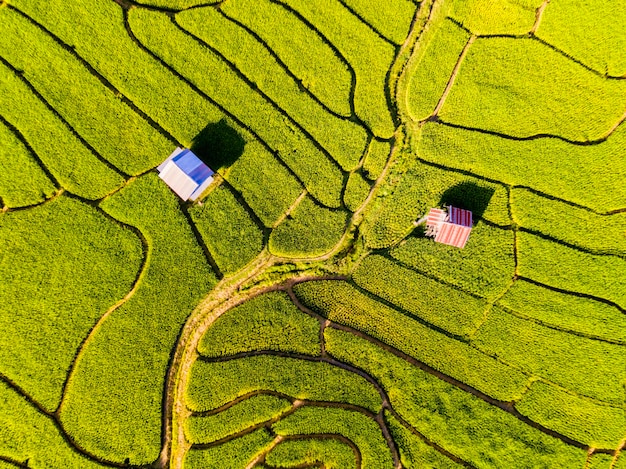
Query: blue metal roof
x=192, y=166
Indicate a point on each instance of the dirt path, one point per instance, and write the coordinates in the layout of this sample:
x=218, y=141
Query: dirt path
x=452, y=79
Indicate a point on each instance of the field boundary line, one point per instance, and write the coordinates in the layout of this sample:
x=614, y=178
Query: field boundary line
x=141, y=273
x=20, y=136
x=14, y=462
x=261, y=456
x=67, y=438
x=283, y=65
x=573, y=293
x=452, y=79
x=256, y=89
x=20, y=75
x=210, y=100
x=506, y=406
x=335, y=50
x=369, y=26
x=105, y=82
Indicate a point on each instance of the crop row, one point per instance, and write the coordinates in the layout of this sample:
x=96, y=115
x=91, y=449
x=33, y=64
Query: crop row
x=560, y=169
x=422, y=297
x=344, y=140
x=568, y=269
x=310, y=230
x=215, y=78
x=588, y=367
x=68, y=160
x=302, y=49
x=203, y=429
x=390, y=19
x=170, y=101
x=28, y=435
x=113, y=401
x=331, y=452
x=22, y=181
x=521, y=88
x=469, y=428
x=369, y=55
x=233, y=454
x=569, y=223
x=357, y=190
x=484, y=267
x=227, y=229
x=596, y=425
x=496, y=16
x=591, y=32
x=45, y=249
x=110, y=126
x=415, y=453
x=267, y=322
x=342, y=303
x=376, y=158
x=264, y=183
x=396, y=214
x=432, y=67
x=214, y=384
x=355, y=426
x=566, y=311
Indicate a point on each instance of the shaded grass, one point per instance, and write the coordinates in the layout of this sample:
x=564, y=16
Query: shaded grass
x=252, y=411
x=343, y=139
x=267, y=322
x=67, y=159
x=343, y=304
x=216, y=79
x=63, y=265
x=441, y=305
x=232, y=236
x=369, y=56
x=475, y=431
x=233, y=454
x=118, y=133
x=591, y=423
x=566, y=311
x=521, y=87
x=215, y=384
x=358, y=428
x=563, y=267
x=114, y=398
x=309, y=231
x=22, y=181
x=26, y=434
x=333, y=454
x=585, y=366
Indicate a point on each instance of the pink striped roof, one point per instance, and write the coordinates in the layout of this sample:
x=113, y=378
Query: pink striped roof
x=453, y=235
x=458, y=216
x=435, y=217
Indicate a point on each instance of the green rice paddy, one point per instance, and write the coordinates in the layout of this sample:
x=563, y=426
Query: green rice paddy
x=296, y=316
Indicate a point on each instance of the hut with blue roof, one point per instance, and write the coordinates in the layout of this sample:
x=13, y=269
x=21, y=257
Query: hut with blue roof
x=186, y=174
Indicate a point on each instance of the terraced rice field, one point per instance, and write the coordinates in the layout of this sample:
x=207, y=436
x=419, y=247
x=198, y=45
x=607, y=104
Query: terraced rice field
x=296, y=317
